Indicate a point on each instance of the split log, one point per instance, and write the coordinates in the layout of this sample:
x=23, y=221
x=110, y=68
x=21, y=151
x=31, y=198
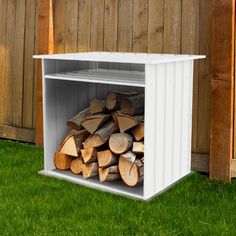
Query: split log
x=76, y=166
x=127, y=122
x=113, y=99
x=90, y=170
x=138, y=132
x=133, y=105
x=73, y=142
x=75, y=122
x=62, y=161
x=97, y=106
x=101, y=136
x=93, y=122
x=109, y=174
x=106, y=158
x=138, y=147
x=120, y=143
x=131, y=170
x=115, y=115
x=89, y=155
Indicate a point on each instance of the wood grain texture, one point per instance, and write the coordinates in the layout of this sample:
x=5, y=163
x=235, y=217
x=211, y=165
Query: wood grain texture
x=172, y=26
x=125, y=26
x=190, y=45
x=155, y=26
x=200, y=162
x=222, y=89
x=233, y=168
x=140, y=25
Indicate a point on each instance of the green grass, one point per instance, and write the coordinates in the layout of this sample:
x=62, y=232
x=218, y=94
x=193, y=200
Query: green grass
x=31, y=204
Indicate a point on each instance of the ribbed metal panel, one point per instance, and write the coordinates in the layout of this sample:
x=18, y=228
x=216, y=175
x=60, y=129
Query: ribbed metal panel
x=168, y=110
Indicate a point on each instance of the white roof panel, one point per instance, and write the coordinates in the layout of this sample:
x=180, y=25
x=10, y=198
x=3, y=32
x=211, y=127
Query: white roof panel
x=120, y=57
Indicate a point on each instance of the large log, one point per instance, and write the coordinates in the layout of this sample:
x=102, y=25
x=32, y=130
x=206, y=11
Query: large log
x=93, y=122
x=75, y=122
x=76, y=166
x=100, y=136
x=106, y=158
x=113, y=99
x=62, y=161
x=138, y=147
x=90, y=170
x=127, y=122
x=133, y=105
x=97, y=106
x=109, y=174
x=73, y=142
x=138, y=132
x=131, y=169
x=120, y=142
x=89, y=155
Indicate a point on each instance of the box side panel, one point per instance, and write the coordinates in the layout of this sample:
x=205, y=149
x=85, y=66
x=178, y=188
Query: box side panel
x=168, y=110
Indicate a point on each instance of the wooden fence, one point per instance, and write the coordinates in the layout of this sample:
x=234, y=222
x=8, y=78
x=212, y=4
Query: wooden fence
x=157, y=26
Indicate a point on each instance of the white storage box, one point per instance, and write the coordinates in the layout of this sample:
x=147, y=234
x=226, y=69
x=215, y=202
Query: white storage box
x=71, y=80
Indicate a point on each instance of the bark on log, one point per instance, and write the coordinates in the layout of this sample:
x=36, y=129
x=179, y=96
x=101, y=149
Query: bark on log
x=75, y=122
x=138, y=147
x=138, y=132
x=76, y=166
x=133, y=105
x=127, y=122
x=93, y=122
x=89, y=155
x=109, y=174
x=90, y=170
x=101, y=136
x=120, y=143
x=106, y=158
x=131, y=170
x=97, y=106
x=62, y=161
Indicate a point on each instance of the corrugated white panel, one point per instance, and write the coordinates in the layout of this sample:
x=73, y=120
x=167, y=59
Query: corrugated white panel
x=168, y=109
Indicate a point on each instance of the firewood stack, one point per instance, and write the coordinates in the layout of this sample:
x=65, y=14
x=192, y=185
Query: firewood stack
x=106, y=140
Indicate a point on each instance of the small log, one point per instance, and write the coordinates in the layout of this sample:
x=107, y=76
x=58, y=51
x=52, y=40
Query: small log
x=131, y=170
x=109, y=174
x=138, y=132
x=89, y=155
x=133, y=105
x=101, y=136
x=106, y=158
x=97, y=106
x=93, y=122
x=90, y=170
x=75, y=122
x=127, y=122
x=138, y=147
x=113, y=99
x=76, y=166
x=120, y=143
x=62, y=161
x=73, y=142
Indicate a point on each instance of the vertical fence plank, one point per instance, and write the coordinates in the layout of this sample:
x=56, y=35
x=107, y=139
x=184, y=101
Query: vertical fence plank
x=190, y=45
x=140, y=29
x=97, y=23
x=60, y=29
x=3, y=49
x=110, y=25
x=84, y=25
x=204, y=84
x=155, y=26
x=125, y=26
x=28, y=89
x=172, y=26
x=71, y=26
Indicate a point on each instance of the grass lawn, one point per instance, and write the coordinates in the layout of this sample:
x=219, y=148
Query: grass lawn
x=31, y=204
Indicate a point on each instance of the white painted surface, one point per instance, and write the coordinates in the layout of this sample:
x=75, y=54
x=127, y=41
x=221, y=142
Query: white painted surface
x=121, y=57
x=167, y=82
